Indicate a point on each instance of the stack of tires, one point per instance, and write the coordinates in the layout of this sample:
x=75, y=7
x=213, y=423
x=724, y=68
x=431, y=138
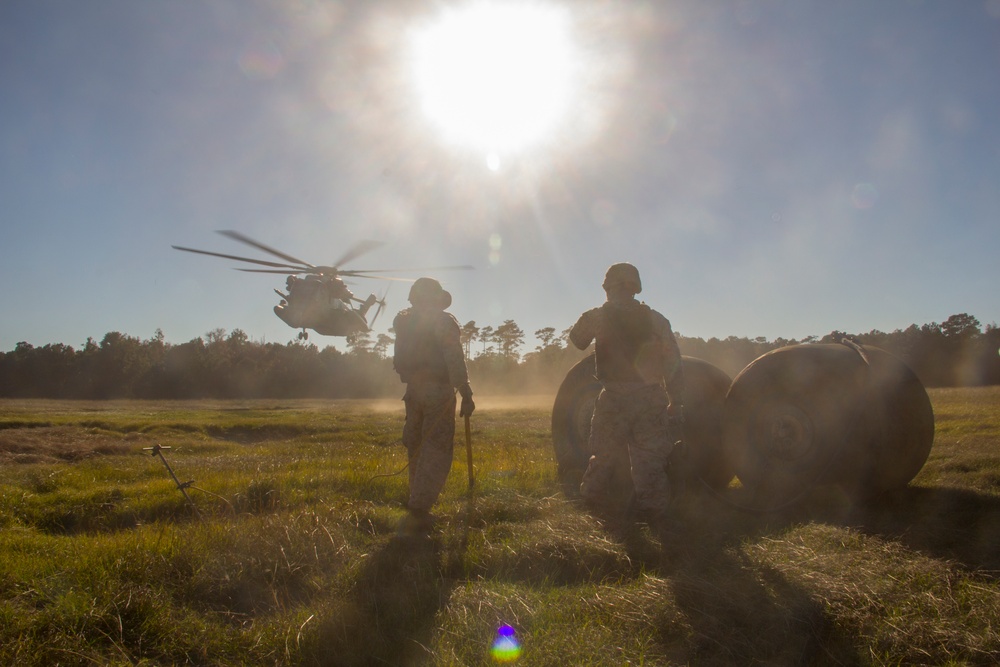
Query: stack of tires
x=705, y=394
x=795, y=418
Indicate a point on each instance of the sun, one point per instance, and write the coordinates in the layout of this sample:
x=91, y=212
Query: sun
x=495, y=77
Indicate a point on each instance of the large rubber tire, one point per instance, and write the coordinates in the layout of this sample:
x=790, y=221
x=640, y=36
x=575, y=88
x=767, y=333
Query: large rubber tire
x=705, y=387
x=787, y=417
x=900, y=422
x=571, y=413
x=705, y=392
x=808, y=415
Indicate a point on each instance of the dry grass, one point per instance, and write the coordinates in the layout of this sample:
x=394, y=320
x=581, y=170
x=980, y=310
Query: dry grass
x=292, y=556
x=52, y=444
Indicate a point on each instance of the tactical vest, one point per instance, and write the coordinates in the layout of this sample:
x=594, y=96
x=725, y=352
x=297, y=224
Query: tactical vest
x=419, y=356
x=627, y=348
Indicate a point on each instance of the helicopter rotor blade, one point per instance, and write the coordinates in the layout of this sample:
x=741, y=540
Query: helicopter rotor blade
x=359, y=272
x=291, y=272
x=360, y=248
x=286, y=272
x=236, y=236
x=297, y=271
x=395, y=278
x=299, y=266
x=262, y=262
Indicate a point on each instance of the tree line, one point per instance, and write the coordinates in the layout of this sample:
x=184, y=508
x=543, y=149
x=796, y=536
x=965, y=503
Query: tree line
x=956, y=352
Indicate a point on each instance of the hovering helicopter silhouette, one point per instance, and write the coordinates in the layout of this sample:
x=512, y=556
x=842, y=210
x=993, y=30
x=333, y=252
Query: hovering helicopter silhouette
x=320, y=300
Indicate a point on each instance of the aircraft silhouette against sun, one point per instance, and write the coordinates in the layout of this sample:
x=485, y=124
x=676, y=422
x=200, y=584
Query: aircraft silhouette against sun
x=320, y=300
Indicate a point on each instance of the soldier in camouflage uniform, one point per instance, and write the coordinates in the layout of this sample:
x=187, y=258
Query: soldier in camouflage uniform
x=429, y=358
x=639, y=366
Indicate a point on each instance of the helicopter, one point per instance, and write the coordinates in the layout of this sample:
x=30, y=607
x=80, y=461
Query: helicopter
x=316, y=297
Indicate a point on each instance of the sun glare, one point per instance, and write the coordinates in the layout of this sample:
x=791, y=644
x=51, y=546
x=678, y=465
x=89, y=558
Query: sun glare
x=495, y=77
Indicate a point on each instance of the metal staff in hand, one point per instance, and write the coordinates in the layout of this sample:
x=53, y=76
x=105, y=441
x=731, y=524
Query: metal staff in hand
x=466, y=411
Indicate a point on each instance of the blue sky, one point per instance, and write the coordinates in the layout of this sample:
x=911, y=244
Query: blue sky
x=774, y=168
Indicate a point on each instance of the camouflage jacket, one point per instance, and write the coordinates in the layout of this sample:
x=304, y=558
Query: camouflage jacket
x=428, y=347
x=635, y=345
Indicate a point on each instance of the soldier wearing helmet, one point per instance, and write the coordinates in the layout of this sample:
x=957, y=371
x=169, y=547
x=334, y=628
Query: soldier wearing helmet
x=639, y=365
x=428, y=357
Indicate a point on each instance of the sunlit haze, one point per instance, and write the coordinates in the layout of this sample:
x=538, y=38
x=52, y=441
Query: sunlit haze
x=495, y=76
x=773, y=168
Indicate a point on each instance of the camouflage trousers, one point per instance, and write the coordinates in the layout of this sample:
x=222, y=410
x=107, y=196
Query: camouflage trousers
x=429, y=438
x=630, y=426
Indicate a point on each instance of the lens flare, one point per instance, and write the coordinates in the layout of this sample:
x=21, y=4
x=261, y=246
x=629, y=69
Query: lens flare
x=495, y=244
x=263, y=61
x=864, y=196
x=505, y=647
x=603, y=212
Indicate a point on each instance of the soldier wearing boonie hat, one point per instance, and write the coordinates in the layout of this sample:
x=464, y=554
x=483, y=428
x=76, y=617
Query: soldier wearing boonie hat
x=429, y=358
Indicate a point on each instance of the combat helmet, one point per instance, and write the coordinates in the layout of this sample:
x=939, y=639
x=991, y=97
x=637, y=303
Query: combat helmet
x=623, y=273
x=427, y=291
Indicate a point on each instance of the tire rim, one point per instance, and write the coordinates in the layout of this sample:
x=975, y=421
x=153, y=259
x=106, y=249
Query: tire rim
x=783, y=436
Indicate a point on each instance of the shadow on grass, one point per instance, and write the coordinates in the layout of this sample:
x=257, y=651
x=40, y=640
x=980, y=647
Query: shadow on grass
x=389, y=615
x=955, y=524
x=733, y=611
x=726, y=609
x=738, y=611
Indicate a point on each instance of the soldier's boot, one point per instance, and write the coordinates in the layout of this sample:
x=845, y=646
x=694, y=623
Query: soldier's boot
x=601, y=506
x=662, y=523
x=417, y=523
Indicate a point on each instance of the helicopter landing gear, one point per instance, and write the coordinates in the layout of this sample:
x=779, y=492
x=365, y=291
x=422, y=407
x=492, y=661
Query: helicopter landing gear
x=303, y=335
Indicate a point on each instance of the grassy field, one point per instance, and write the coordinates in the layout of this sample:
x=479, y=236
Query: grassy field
x=288, y=554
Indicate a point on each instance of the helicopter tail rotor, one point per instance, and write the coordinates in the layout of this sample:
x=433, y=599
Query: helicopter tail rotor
x=378, y=311
x=381, y=304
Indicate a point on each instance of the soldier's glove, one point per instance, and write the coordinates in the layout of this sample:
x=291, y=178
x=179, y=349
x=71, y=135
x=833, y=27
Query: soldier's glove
x=468, y=406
